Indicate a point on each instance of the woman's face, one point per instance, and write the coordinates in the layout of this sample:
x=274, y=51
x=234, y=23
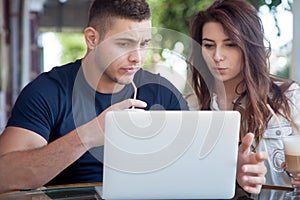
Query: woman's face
x=222, y=55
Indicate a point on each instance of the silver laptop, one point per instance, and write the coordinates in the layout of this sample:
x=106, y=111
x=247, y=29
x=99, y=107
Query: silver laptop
x=170, y=154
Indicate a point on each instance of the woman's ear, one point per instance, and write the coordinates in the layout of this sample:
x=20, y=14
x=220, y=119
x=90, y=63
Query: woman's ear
x=91, y=37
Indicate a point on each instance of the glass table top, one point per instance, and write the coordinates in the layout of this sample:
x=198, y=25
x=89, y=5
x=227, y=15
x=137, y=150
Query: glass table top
x=89, y=192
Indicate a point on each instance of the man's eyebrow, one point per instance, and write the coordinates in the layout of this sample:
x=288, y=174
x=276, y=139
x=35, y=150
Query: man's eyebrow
x=127, y=39
x=133, y=40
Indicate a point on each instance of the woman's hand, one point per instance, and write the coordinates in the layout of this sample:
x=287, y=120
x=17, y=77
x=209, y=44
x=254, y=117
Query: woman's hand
x=251, y=170
x=297, y=182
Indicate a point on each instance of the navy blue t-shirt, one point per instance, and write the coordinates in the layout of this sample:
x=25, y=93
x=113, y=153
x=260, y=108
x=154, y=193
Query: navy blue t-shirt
x=58, y=101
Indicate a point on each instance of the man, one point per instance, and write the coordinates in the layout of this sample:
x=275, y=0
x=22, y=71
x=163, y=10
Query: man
x=58, y=118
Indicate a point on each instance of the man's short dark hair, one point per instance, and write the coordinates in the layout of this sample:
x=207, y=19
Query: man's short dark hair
x=102, y=12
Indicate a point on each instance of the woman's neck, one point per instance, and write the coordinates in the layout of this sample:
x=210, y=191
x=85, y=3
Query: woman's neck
x=227, y=92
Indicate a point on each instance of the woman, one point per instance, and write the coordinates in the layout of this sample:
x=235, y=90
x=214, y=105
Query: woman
x=230, y=71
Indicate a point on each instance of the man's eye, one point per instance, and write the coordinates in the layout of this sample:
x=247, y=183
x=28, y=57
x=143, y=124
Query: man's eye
x=144, y=44
x=123, y=44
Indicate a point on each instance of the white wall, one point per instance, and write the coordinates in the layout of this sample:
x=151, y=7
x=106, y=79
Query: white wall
x=3, y=69
x=295, y=68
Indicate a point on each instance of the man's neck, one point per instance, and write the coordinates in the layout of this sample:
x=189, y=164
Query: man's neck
x=108, y=88
x=98, y=82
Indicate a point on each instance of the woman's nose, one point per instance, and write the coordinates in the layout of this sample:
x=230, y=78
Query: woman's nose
x=218, y=55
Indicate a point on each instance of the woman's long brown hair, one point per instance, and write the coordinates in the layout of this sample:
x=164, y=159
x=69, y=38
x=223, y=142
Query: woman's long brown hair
x=243, y=26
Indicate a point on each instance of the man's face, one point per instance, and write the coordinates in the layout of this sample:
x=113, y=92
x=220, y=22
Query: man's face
x=122, y=51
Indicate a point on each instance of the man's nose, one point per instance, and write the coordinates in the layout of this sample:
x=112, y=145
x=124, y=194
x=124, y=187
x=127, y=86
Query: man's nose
x=135, y=56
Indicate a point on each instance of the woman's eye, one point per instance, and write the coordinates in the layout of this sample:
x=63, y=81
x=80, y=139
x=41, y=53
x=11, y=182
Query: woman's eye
x=232, y=45
x=208, y=45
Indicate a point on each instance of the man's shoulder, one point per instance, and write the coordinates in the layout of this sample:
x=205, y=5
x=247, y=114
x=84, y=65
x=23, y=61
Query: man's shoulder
x=160, y=89
x=65, y=71
x=146, y=77
x=54, y=80
x=62, y=73
x=145, y=74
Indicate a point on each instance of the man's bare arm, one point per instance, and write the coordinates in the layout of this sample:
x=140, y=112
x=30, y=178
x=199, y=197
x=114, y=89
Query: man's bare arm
x=27, y=161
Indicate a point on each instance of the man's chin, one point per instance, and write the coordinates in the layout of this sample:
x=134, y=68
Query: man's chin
x=125, y=81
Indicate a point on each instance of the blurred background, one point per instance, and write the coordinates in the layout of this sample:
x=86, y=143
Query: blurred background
x=36, y=35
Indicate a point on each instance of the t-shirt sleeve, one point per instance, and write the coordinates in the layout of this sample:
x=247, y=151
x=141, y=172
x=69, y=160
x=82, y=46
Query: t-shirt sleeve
x=161, y=93
x=174, y=98
x=34, y=109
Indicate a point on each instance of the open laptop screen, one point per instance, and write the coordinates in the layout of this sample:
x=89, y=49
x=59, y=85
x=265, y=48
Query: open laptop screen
x=170, y=154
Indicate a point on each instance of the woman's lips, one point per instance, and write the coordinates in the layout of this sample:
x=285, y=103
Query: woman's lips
x=221, y=69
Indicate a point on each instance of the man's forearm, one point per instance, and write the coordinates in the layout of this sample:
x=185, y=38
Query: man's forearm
x=33, y=168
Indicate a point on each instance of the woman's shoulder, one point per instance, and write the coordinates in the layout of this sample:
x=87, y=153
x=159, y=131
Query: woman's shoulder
x=294, y=86
x=290, y=89
x=286, y=84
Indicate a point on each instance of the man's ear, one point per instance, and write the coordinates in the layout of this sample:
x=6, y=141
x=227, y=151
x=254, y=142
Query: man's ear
x=91, y=37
